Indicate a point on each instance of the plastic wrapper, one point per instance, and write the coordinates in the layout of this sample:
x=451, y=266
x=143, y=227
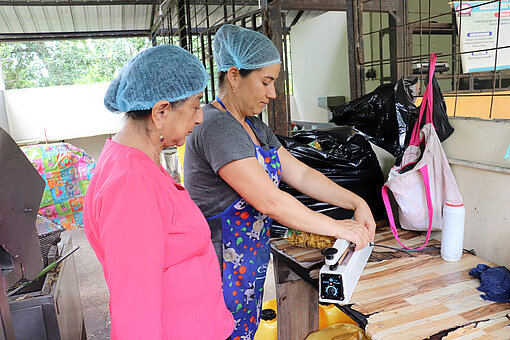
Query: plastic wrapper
x=308, y=240
x=386, y=116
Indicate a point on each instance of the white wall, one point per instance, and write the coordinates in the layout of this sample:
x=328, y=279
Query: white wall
x=320, y=65
x=486, y=193
x=63, y=111
x=4, y=124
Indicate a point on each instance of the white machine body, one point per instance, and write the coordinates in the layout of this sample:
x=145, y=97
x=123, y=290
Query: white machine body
x=341, y=273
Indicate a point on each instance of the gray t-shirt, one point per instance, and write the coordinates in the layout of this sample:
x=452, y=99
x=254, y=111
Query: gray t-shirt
x=219, y=140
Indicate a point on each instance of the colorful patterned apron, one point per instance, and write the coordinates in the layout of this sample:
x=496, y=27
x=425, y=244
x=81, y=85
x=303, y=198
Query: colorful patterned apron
x=245, y=250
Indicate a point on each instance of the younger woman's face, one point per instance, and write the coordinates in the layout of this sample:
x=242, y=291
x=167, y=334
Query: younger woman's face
x=255, y=90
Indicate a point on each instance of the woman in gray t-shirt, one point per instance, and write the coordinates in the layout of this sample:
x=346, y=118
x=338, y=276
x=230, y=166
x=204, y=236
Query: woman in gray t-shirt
x=233, y=166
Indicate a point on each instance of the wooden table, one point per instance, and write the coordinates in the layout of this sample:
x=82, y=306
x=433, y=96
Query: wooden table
x=398, y=297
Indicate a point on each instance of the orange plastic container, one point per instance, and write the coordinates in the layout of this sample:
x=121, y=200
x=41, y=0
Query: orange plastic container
x=328, y=315
x=331, y=315
x=340, y=331
x=267, y=327
x=270, y=304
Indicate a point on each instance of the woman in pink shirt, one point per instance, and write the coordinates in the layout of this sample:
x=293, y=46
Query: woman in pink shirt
x=151, y=239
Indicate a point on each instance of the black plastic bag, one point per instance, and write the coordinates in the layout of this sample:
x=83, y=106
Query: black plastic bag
x=439, y=113
x=346, y=159
x=387, y=115
x=373, y=115
x=406, y=112
x=405, y=107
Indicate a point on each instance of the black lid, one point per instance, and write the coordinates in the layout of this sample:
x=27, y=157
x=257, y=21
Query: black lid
x=268, y=314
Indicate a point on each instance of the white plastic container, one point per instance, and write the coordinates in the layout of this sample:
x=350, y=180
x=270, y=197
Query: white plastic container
x=452, y=236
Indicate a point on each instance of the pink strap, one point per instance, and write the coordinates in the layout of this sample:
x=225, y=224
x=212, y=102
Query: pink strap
x=430, y=107
x=425, y=173
x=426, y=103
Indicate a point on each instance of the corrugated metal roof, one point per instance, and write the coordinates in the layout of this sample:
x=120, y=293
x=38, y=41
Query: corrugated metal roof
x=78, y=19
x=67, y=18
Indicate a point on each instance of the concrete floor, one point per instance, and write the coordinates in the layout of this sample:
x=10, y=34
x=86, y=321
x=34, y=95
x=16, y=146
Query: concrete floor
x=94, y=292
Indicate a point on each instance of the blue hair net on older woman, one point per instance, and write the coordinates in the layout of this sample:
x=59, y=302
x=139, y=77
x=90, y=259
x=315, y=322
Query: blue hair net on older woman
x=165, y=72
x=243, y=48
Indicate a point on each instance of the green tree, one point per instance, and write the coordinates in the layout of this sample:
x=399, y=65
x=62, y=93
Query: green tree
x=109, y=55
x=51, y=63
x=20, y=65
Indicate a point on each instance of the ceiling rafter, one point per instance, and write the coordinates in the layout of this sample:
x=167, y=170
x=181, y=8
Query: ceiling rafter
x=18, y=3
x=15, y=37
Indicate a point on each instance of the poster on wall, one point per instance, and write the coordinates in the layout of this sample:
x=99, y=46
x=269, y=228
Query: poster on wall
x=477, y=22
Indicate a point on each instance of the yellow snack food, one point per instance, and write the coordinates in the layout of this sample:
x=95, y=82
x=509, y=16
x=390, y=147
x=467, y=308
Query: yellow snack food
x=308, y=240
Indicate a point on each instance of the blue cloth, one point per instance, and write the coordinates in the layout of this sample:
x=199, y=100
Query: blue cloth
x=164, y=72
x=243, y=48
x=494, y=282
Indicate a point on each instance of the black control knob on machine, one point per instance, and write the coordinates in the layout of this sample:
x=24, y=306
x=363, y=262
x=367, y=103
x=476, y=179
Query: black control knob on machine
x=329, y=253
x=332, y=291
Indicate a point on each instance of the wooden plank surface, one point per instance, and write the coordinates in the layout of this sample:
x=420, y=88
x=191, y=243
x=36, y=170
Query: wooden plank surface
x=425, y=297
x=305, y=257
x=416, y=295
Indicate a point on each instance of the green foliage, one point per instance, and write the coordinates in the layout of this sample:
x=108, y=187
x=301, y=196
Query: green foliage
x=52, y=63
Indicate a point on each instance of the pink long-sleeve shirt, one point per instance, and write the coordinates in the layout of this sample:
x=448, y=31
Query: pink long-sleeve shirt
x=155, y=248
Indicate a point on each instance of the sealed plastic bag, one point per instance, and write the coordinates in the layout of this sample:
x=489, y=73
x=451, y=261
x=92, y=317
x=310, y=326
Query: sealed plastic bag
x=308, y=240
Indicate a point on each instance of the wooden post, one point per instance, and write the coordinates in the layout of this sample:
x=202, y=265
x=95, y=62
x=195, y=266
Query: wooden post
x=356, y=56
x=277, y=109
x=297, y=303
x=398, y=41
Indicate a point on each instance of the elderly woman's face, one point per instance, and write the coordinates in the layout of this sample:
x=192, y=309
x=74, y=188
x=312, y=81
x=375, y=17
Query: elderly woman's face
x=257, y=88
x=182, y=120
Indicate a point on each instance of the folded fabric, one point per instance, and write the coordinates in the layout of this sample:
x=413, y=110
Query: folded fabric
x=494, y=282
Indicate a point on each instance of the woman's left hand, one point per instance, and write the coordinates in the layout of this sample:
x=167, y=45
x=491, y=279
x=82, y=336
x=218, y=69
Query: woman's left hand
x=363, y=215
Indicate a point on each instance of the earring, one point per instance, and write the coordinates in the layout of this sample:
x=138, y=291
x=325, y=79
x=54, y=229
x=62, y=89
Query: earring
x=161, y=138
x=234, y=89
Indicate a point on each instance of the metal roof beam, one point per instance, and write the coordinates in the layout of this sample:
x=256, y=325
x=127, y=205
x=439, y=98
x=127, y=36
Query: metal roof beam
x=335, y=5
x=221, y=2
x=16, y=37
x=74, y=3
x=16, y=3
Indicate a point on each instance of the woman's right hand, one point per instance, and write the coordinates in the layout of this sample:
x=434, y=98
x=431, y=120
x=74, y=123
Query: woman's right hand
x=354, y=232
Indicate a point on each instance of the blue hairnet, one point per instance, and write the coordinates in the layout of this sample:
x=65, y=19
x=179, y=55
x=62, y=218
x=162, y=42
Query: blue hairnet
x=165, y=72
x=243, y=48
